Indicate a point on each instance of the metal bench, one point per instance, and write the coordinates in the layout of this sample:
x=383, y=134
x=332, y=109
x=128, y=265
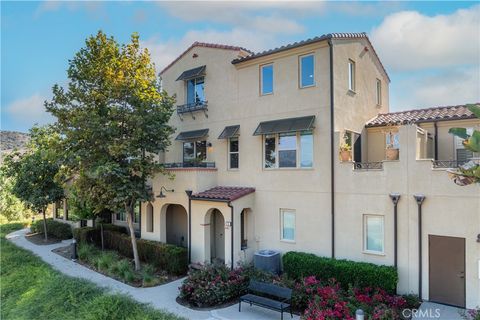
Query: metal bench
x=278, y=297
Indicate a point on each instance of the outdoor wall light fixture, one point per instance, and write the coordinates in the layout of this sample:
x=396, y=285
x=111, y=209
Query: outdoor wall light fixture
x=161, y=194
x=209, y=144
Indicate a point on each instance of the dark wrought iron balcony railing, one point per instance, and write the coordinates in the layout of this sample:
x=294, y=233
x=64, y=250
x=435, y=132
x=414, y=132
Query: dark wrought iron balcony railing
x=368, y=165
x=192, y=107
x=187, y=164
x=447, y=164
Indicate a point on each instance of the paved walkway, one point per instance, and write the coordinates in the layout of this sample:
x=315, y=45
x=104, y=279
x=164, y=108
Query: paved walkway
x=430, y=310
x=161, y=297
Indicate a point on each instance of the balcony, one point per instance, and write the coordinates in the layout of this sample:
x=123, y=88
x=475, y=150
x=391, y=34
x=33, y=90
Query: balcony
x=192, y=108
x=175, y=165
x=368, y=166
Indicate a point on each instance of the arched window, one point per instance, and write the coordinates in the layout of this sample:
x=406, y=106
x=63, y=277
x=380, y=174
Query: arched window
x=149, y=217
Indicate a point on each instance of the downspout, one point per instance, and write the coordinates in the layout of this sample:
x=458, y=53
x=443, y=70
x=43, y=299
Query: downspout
x=419, y=198
x=395, y=198
x=231, y=226
x=189, y=195
x=435, y=141
x=332, y=149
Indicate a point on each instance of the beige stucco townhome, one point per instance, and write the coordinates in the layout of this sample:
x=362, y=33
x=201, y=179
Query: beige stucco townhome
x=256, y=165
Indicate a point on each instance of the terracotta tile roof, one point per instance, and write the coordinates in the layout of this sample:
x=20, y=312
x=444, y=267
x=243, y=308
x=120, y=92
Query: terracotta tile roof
x=337, y=36
x=205, y=45
x=223, y=193
x=421, y=115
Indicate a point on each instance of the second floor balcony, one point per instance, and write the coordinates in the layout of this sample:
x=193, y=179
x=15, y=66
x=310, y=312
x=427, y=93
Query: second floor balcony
x=192, y=108
x=189, y=164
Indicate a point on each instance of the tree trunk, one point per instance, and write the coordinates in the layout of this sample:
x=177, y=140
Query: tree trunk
x=129, y=212
x=45, y=224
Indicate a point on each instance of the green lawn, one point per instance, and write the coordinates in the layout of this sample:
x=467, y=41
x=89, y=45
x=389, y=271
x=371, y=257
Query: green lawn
x=31, y=289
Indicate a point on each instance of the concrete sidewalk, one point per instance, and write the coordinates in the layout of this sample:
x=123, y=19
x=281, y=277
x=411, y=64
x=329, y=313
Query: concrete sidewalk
x=161, y=297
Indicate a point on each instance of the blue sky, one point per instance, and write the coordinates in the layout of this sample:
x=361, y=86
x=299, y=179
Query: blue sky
x=431, y=50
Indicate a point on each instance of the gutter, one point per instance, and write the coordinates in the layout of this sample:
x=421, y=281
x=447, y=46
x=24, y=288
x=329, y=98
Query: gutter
x=189, y=195
x=395, y=198
x=435, y=141
x=231, y=233
x=332, y=149
x=419, y=198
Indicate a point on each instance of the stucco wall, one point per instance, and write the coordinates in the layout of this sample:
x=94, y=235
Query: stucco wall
x=448, y=210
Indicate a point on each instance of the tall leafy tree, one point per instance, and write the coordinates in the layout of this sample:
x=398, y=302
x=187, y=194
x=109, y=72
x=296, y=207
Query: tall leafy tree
x=113, y=118
x=33, y=172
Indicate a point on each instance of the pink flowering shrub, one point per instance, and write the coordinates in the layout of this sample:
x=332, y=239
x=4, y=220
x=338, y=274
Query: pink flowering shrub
x=213, y=285
x=331, y=302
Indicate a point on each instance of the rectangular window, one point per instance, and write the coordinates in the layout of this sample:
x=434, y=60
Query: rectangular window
x=351, y=75
x=243, y=233
x=120, y=216
x=287, y=150
x=266, y=79
x=295, y=150
x=392, y=140
x=306, y=149
x=373, y=233
x=194, y=151
x=463, y=155
x=196, y=91
x=379, y=92
x=233, y=153
x=287, y=217
x=137, y=209
x=307, y=76
x=270, y=151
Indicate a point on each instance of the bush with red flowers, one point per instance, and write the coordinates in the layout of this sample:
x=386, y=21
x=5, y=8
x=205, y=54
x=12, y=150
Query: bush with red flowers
x=330, y=302
x=212, y=285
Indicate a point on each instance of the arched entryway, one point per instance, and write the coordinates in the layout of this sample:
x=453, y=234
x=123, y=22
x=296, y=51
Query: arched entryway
x=215, y=238
x=176, y=221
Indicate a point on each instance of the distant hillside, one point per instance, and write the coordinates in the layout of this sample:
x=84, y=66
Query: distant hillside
x=10, y=140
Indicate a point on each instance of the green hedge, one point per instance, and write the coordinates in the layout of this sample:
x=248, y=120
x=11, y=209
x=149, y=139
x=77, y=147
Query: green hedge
x=168, y=257
x=346, y=272
x=55, y=229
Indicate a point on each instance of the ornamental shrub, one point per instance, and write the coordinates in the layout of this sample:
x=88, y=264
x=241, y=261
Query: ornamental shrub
x=172, y=259
x=55, y=229
x=348, y=273
x=211, y=285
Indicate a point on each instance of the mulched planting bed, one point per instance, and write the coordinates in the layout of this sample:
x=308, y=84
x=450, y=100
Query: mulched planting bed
x=157, y=277
x=39, y=239
x=187, y=304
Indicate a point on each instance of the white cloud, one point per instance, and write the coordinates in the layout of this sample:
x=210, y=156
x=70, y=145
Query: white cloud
x=29, y=110
x=448, y=87
x=408, y=40
x=93, y=8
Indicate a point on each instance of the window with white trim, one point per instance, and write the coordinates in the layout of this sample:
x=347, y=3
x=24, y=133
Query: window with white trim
x=351, y=75
x=233, y=153
x=379, y=92
x=373, y=233
x=194, y=151
x=288, y=150
x=287, y=217
x=307, y=71
x=266, y=79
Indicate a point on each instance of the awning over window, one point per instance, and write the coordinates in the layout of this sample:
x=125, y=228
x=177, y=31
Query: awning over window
x=285, y=125
x=192, y=135
x=192, y=73
x=228, y=132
